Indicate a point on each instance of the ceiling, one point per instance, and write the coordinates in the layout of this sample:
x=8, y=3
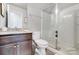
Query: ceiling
x=48, y=7
x=62, y=6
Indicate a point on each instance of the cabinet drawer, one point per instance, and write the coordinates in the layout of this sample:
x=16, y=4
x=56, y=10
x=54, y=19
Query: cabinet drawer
x=14, y=38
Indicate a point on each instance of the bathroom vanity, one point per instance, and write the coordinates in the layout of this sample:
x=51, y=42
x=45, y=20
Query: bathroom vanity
x=16, y=43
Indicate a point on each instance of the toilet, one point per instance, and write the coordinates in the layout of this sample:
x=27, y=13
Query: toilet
x=41, y=44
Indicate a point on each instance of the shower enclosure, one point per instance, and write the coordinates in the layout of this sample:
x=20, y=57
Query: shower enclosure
x=60, y=27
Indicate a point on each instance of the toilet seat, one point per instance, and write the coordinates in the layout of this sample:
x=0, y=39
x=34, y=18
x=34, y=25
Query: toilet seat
x=42, y=43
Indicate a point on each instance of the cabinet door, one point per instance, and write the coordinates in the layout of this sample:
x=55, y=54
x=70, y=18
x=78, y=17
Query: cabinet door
x=24, y=48
x=10, y=49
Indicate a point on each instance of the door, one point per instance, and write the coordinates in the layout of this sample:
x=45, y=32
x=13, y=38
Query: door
x=10, y=49
x=48, y=28
x=24, y=48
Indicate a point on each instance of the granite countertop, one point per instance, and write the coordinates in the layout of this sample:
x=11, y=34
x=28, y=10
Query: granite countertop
x=14, y=32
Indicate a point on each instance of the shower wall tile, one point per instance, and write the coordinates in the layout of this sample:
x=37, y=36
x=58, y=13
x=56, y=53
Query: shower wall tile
x=66, y=31
x=34, y=18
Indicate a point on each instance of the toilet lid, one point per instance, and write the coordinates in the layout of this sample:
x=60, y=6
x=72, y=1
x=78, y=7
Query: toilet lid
x=41, y=42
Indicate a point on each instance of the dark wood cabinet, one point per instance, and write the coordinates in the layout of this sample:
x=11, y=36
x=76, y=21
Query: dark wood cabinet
x=10, y=49
x=20, y=44
x=24, y=47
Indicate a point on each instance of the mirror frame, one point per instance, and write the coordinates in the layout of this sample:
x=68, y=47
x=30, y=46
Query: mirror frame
x=3, y=9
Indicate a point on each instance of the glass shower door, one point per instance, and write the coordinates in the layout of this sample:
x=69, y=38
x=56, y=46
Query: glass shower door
x=48, y=27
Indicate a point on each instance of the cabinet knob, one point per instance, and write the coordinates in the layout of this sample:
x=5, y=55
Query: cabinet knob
x=15, y=46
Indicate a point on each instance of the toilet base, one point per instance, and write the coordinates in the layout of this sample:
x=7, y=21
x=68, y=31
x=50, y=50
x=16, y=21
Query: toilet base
x=40, y=51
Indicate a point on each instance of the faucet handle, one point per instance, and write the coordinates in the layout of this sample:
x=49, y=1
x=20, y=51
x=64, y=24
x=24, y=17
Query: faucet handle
x=56, y=31
x=56, y=35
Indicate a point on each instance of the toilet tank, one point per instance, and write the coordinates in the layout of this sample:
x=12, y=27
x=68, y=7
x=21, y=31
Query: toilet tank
x=36, y=35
